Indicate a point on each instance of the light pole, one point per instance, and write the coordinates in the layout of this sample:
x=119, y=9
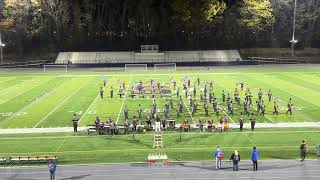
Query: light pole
x=293, y=41
x=2, y=45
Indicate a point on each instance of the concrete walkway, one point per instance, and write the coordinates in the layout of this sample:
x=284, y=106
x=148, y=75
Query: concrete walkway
x=232, y=125
x=269, y=169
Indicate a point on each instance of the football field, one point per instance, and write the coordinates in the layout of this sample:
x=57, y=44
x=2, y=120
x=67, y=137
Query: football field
x=35, y=100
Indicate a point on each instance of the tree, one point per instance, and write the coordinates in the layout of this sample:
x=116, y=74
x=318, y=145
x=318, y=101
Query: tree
x=58, y=12
x=256, y=15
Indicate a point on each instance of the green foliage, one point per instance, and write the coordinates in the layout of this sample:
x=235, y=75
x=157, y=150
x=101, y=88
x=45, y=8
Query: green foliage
x=256, y=15
x=202, y=11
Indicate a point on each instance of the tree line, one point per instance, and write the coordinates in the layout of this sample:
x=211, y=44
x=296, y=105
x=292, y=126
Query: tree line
x=87, y=25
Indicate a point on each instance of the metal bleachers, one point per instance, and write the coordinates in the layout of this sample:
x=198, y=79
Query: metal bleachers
x=148, y=57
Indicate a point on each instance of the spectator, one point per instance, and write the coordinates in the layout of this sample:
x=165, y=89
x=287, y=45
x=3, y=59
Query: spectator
x=235, y=158
x=52, y=169
x=255, y=158
x=303, y=150
x=219, y=156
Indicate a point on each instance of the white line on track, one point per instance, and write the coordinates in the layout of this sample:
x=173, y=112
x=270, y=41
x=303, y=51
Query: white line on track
x=65, y=100
x=93, y=102
x=124, y=98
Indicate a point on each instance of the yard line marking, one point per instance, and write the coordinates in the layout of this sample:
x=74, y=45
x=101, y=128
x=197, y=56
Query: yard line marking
x=17, y=85
x=284, y=90
x=40, y=83
x=30, y=104
x=148, y=149
x=188, y=111
x=228, y=89
x=6, y=80
x=124, y=98
x=93, y=102
x=166, y=134
x=65, y=100
x=226, y=114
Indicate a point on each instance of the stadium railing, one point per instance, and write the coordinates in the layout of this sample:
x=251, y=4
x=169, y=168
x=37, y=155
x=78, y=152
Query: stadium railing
x=25, y=64
x=55, y=67
x=165, y=66
x=267, y=60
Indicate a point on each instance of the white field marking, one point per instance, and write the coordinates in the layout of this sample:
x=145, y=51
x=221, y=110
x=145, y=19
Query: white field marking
x=124, y=98
x=18, y=85
x=65, y=100
x=135, y=75
x=25, y=91
x=184, y=101
x=146, y=149
x=30, y=104
x=60, y=146
x=243, y=100
x=188, y=111
x=8, y=114
x=293, y=94
x=166, y=134
x=40, y=83
x=227, y=115
x=93, y=102
x=6, y=79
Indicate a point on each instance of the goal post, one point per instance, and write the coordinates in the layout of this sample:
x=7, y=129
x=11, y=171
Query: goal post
x=136, y=67
x=55, y=67
x=165, y=67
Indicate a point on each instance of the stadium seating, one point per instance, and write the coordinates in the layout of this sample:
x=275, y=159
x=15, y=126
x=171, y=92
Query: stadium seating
x=163, y=57
x=3, y=161
x=28, y=160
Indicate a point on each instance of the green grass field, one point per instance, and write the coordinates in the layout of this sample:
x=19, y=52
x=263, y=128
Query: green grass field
x=35, y=100
x=29, y=100
x=78, y=148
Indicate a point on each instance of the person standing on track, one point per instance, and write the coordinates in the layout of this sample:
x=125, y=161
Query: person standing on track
x=52, y=169
x=303, y=150
x=235, y=158
x=218, y=154
x=255, y=158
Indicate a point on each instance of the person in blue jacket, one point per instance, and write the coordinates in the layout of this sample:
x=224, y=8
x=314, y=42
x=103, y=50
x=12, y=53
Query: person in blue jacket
x=255, y=158
x=52, y=169
x=218, y=154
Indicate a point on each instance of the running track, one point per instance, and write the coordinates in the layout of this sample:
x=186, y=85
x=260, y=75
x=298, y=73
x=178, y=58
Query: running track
x=271, y=169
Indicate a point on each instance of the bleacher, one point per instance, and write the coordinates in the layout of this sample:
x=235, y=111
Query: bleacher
x=131, y=57
x=26, y=160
